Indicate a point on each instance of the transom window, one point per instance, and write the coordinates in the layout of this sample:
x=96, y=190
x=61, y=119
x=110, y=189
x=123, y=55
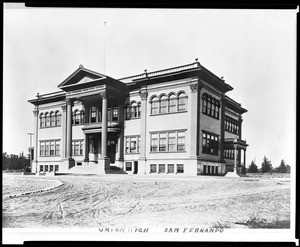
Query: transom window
x=50, y=148
x=210, y=143
x=168, y=104
x=132, y=144
x=170, y=141
x=210, y=106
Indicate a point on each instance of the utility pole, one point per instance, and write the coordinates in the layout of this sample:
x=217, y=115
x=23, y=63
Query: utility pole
x=30, y=148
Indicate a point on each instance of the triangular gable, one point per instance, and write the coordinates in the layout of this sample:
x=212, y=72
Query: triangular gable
x=81, y=76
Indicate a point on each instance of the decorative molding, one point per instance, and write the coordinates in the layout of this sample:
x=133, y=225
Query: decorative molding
x=143, y=95
x=64, y=108
x=194, y=87
x=35, y=112
x=103, y=95
x=69, y=101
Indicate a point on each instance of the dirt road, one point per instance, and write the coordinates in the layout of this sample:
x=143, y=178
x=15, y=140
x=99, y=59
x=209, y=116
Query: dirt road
x=133, y=201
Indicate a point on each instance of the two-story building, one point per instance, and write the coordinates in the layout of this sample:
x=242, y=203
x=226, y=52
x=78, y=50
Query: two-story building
x=172, y=121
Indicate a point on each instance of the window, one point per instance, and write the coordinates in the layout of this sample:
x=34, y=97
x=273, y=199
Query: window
x=171, y=141
x=180, y=168
x=139, y=110
x=81, y=120
x=41, y=168
x=47, y=119
x=172, y=103
x=132, y=144
x=50, y=148
x=232, y=125
x=77, y=147
x=170, y=168
x=153, y=168
x=56, y=168
x=210, y=143
x=99, y=116
x=42, y=120
x=154, y=105
x=133, y=110
x=115, y=113
x=52, y=119
x=42, y=148
x=127, y=111
x=163, y=142
x=51, y=168
x=93, y=114
x=153, y=142
x=182, y=102
x=109, y=117
x=163, y=104
x=161, y=168
x=229, y=154
x=210, y=106
x=128, y=166
x=52, y=145
x=76, y=117
x=46, y=168
x=181, y=141
x=57, y=118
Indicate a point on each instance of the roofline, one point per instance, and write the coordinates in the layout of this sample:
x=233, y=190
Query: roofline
x=238, y=105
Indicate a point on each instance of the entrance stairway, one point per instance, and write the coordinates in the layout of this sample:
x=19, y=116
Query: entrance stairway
x=91, y=169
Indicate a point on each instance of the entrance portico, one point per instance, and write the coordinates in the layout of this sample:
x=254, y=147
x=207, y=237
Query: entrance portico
x=103, y=99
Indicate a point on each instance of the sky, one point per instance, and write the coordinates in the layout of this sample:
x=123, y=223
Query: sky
x=254, y=50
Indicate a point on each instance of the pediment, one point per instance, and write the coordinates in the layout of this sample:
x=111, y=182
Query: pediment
x=81, y=76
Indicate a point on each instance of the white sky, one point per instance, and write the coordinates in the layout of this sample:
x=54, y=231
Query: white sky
x=255, y=51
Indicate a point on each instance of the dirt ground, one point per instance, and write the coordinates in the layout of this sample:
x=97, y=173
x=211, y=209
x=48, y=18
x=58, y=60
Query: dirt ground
x=139, y=201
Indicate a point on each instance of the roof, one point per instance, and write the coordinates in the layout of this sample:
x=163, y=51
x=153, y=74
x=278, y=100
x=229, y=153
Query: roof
x=230, y=103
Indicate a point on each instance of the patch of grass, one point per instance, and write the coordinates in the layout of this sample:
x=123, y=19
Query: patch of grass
x=255, y=223
x=221, y=225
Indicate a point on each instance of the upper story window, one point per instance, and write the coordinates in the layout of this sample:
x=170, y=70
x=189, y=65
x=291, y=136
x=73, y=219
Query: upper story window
x=232, y=125
x=51, y=119
x=210, y=106
x=169, y=141
x=77, y=147
x=210, y=143
x=133, y=110
x=168, y=104
x=132, y=144
x=77, y=117
x=115, y=116
x=93, y=114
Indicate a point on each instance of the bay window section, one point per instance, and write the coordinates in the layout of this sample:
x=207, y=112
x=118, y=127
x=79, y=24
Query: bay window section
x=210, y=143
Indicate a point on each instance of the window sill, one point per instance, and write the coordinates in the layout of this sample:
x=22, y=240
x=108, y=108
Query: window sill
x=167, y=113
x=167, y=152
x=50, y=127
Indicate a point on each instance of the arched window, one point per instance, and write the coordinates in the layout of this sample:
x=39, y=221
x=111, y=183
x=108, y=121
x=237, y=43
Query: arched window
x=42, y=120
x=52, y=119
x=172, y=103
x=57, y=118
x=204, y=103
x=209, y=105
x=217, y=109
x=47, y=119
x=133, y=109
x=154, y=105
x=163, y=107
x=182, y=100
x=76, y=117
x=81, y=120
x=139, y=109
x=213, y=107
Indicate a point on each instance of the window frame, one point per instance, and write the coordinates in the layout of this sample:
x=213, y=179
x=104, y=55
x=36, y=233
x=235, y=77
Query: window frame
x=210, y=143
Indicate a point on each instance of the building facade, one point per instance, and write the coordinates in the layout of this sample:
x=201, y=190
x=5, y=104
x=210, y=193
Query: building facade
x=172, y=121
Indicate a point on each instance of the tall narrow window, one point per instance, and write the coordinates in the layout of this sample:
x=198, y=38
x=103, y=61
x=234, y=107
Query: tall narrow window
x=42, y=121
x=154, y=105
x=213, y=107
x=127, y=111
x=139, y=109
x=172, y=103
x=154, y=142
x=204, y=103
x=133, y=110
x=47, y=148
x=172, y=141
x=52, y=119
x=47, y=119
x=133, y=144
x=163, y=104
x=109, y=115
x=77, y=117
x=180, y=141
x=127, y=145
x=163, y=142
x=209, y=105
x=182, y=99
x=81, y=120
x=42, y=148
x=52, y=149
x=99, y=115
x=57, y=147
x=93, y=114
x=57, y=118
x=115, y=113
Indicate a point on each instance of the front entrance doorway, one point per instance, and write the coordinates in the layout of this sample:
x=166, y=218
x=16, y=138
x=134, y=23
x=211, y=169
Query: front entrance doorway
x=135, y=169
x=112, y=146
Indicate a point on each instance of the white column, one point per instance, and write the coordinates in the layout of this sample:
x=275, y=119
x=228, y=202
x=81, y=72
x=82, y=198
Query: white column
x=194, y=123
x=235, y=159
x=64, y=132
x=69, y=129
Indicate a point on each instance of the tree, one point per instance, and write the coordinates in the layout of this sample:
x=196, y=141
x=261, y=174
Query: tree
x=282, y=168
x=266, y=165
x=252, y=167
